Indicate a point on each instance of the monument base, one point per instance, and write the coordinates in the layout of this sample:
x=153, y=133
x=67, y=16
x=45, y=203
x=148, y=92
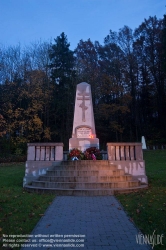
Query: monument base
x=83, y=143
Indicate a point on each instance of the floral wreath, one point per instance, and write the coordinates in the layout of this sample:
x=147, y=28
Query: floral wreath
x=75, y=154
x=92, y=153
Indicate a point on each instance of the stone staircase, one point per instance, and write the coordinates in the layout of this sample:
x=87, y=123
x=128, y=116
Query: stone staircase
x=85, y=178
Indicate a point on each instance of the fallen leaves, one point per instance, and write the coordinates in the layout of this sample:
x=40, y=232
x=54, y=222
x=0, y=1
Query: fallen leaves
x=31, y=215
x=119, y=208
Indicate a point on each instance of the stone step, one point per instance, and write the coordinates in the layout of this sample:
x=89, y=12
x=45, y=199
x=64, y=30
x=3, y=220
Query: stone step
x=85, y=167
x=85, y=172
x=85, y=185
x=87, y=192
x=86, y=178
x=86, y=163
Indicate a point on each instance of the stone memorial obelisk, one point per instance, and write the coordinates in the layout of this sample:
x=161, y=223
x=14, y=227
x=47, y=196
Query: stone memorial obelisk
x=84, y=133
x=143, y=143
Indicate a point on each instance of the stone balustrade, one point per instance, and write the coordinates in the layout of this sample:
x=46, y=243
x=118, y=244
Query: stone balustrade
x=45, y=152
x=124, y=151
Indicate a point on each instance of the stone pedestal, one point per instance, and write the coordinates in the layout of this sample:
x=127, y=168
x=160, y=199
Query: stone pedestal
x=84, y=133
x=83, y=144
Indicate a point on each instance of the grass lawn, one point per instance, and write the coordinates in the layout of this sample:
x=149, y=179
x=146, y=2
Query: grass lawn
x=19, y=210
x=148, y=208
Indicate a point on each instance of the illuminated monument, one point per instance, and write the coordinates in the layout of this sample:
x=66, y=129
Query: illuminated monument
x=84, y=133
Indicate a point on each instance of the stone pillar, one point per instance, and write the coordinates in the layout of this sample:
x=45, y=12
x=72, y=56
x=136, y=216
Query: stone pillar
x=59, y=152
x=138, y=151
x=117, y=153
x=52, y=153
x=48, y=149
x=30, y=153
x=37, y=153
x=111, y=152
x=127, y=152
x=122, y=153
x=42, y=154
x=132, y=155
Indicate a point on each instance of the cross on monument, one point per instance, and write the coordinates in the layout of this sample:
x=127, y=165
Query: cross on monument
x=83, y=96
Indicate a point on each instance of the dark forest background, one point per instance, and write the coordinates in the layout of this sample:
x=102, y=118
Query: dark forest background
x=128, y=81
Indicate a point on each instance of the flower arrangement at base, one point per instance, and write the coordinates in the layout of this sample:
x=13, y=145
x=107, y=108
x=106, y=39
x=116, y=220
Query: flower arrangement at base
x=92, y=153
x=75, y=154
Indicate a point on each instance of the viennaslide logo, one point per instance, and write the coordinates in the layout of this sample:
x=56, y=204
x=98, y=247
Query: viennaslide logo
x=153, y=239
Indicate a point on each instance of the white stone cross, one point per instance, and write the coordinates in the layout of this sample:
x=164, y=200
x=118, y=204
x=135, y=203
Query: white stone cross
x=83, y=96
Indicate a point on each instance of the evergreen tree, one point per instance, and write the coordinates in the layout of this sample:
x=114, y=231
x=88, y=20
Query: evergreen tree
x=63, y=81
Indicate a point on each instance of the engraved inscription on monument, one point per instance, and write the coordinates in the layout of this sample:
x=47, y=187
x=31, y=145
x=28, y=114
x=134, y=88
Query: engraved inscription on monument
x=84, y=132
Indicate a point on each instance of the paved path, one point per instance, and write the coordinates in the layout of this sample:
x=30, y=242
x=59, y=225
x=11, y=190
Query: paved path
x=98, y=221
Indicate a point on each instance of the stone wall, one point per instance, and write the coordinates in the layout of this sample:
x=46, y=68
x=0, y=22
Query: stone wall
x=40, y=157
x=129, y=157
